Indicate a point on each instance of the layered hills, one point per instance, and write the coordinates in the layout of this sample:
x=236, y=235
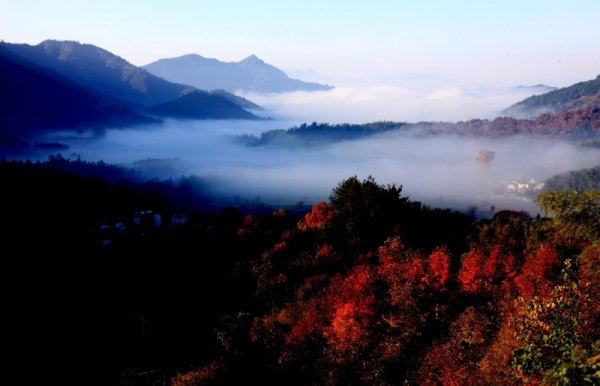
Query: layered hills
x=66, y=85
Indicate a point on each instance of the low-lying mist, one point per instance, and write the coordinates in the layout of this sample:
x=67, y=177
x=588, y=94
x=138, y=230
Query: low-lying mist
x=361, y=104
x=439, y=171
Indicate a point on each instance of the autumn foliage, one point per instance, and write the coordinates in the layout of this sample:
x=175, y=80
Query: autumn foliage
x=439, y=268
x=339, y=299
x=487, y=273
x=539, y=273
x=319, y=217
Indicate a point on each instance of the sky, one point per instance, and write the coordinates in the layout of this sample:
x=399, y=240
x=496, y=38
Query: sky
x=480, y=43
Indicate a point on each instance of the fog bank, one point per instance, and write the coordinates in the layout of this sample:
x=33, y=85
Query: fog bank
x=388, y=101
x=440, y=171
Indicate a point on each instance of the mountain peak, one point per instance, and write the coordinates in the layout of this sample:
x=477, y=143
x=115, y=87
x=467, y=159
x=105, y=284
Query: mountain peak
x=252, y=59
x=100, y=86
x=191, y=56
x=51, y=44
x=249, y=74
x=54, y=42
x=70, y=49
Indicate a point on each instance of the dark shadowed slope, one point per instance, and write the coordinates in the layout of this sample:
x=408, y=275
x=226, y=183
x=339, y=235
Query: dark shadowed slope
x=250, y=74
x=575, y=97
x=100, y=70
x=104, y=72
x=201, y=105
x=36, y=99
x=238, y=100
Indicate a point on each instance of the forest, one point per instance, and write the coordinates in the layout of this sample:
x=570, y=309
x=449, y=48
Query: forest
x=577, y=96
x=367, y=288
x=575, y=125
x=375, y=289
x=577, y=180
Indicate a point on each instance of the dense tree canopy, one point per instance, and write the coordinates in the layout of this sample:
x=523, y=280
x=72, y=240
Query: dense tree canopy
x=370, y=288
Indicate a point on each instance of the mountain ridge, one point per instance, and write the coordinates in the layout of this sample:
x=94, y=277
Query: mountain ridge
x=250, y=74
x=100, y=70
x=108, y=79
x=575, y=97
x=38, y=99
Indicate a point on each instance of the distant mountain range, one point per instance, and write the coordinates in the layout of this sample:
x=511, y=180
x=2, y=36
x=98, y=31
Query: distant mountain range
x=251, y=74
x=66, y=84
x=578, y=96
x=537, y=89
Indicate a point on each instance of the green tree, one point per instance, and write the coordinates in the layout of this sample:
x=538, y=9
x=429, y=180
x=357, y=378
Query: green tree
x=365, y=212
x=553, y=335
x=576, y=216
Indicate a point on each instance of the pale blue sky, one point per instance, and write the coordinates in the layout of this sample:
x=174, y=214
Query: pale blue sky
x=506, y=42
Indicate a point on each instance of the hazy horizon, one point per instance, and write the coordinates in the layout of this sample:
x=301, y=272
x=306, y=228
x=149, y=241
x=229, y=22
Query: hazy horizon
x=490, y=44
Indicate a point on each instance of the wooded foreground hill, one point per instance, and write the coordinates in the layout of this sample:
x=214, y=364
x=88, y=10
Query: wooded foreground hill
x=370, y=288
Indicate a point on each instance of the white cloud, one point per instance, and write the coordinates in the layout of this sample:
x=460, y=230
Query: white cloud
x=360, y=104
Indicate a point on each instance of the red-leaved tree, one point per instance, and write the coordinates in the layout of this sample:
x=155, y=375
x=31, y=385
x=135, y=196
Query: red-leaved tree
x=319, y=217
x=470, y=276
x=439, y=268
x=539, y=273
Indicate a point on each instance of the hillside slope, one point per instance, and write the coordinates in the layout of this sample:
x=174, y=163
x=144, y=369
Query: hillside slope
x=97, y=69
x=575, y=97
x=36, y=99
